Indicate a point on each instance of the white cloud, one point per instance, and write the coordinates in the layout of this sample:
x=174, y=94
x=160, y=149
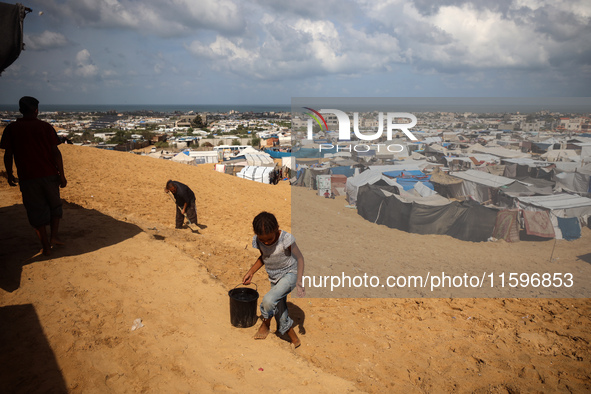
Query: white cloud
x=462, y=35
x=45, y=40
x=84, y=65
x=152, y=17
x=484, y=39
x=299, y=48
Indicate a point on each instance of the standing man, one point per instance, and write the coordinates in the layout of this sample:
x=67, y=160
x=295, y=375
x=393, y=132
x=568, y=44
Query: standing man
x=40, y=168
x=185, y=200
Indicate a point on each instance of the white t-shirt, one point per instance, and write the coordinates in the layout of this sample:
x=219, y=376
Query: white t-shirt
x=277, y=257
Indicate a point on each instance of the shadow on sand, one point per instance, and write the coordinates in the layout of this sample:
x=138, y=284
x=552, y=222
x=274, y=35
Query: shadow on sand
x=586, y=258
x=27, y=363
x=83, y=230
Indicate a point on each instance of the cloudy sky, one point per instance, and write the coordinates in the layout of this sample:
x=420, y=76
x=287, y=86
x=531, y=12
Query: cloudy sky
x=267, y=51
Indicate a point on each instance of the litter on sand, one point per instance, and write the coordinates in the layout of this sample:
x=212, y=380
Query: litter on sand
x=137, y=323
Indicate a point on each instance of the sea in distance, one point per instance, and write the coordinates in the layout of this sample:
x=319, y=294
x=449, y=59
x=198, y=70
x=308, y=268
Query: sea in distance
x=563, y=105
x=160, y=108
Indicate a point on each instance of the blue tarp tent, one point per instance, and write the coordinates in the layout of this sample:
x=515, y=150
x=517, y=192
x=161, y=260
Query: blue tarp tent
x=408, y=179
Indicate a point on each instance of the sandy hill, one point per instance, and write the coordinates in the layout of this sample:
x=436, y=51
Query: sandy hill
x=65, y=320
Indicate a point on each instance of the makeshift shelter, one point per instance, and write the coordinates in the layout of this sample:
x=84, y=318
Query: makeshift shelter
x=251, y=159
x=559, y=207
x=577, y=181
x=561, y=155
x=498, y=151
x=522, y=167
x=413, y=179
x=446, y=185
x=183, y=157
x=468, y=220
x=481, y=186
x=256, y=173
x=528, y=186
x=561, y=204
x=307, y=177
x=11, y=32
x=204, y=156
x=347, y=171
x=371, y=176
x=289, y=162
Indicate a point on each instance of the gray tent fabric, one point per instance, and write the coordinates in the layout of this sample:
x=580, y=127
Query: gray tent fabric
x=528, y=186
x=396, y=214
x=468, y=220
x=371, y=201
x=475, y=222
x=11, y=33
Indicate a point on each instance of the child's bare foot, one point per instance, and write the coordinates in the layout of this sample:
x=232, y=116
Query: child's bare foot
x=294, y=338
x=264, y=330
x=57, y=241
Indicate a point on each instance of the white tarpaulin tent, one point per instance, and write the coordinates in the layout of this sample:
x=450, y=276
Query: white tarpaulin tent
x=482, y=178
x=371, y=176
x=503, y=153
x=585, y=152
x=561, y=204
x=204, y=156
x=259, y=159
x=477, y=184
x=256, y=173
x=289, y=162
x=183, y=158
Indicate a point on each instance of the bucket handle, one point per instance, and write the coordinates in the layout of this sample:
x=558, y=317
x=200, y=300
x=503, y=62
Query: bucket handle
x=256, y=288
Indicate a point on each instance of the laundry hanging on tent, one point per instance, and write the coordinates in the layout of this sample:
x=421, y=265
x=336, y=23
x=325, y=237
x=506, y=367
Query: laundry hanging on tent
x=570, y=228
x=507, y=225
x=538, y=223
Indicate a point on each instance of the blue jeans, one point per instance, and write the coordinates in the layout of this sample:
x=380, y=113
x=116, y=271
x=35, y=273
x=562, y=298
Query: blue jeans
x=275, y=302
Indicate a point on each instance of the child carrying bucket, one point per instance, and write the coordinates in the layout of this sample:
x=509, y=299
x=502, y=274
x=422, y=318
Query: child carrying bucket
x=285, y=265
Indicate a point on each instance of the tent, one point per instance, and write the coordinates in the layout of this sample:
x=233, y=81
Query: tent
x=480, y=185
x=576, y=181
x=183, y=158
x=204, y=156
x=467, y=220
x=11, y=32
x=561, y=155
x=561, y=204
x=307, y=176
x=563, y=209
x=373, y=175
x=413, y=179
x=256, y=173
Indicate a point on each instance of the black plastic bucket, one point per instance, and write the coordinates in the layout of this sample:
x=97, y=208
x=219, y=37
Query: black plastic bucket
x=243, y=306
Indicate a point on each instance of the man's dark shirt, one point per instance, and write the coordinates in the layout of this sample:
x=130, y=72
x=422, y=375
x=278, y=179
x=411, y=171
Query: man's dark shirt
x=31, y=142
x=183, y=194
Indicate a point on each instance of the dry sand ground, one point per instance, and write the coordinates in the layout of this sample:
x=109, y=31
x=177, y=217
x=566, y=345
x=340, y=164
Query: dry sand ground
x=65, y=320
